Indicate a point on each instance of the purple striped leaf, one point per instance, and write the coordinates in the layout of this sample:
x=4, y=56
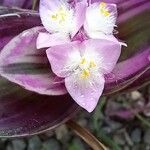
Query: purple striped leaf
x=17, y=3
x=143, y=80
x=22, y=63
x=23, y=112
x=127, y=72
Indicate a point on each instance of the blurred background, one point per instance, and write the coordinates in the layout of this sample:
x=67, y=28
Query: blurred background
x=121, y=122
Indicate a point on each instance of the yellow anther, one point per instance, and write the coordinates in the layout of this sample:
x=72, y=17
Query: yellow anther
x=102, y=5
x=54, y=17
x=103, y=9
x=83, y=61
x=105, y=13
x=61, y=9
x=92, y=64
x=85, y=74
x=60, y=15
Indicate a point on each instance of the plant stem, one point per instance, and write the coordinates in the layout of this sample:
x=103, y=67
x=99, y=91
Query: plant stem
x=147, y=123
x=34, y=3
x=91, y=140
x=108, y=140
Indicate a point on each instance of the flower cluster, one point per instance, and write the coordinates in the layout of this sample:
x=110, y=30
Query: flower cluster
x=81, y=45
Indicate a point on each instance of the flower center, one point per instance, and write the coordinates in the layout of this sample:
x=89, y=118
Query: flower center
x=103, y=9
x=60, y=15
x=86, y=65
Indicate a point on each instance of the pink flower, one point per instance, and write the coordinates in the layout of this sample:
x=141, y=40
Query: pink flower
x=62, y=21
x=100, y=21
x=83, y=65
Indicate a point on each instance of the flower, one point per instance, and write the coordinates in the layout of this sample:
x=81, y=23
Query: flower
x=82, y=62
x=83, y=65
x=100, y=20
x=62, y=20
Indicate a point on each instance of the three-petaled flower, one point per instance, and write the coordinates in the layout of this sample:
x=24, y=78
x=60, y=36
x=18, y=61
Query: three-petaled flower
x=100, y=20
x=82, y=63
x=60, y=19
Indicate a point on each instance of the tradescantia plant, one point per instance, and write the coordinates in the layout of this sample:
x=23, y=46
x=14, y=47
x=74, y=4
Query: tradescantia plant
x=27, y=111
x=17, y=3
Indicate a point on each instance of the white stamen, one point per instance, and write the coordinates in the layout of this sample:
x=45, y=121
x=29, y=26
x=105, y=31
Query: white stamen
x=63, y=19
x=85, y=67
x=99, y=20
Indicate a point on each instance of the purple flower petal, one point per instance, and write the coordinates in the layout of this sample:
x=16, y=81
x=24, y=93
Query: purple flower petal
x=86, y=95
x=51, y=5
x=100, y=19
x=103, y=48
x=59, y=16
x=47, y=40
x=47, y=11
x=60, y=55
x=127, y=9
x=80, y=10
x=23, y=64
